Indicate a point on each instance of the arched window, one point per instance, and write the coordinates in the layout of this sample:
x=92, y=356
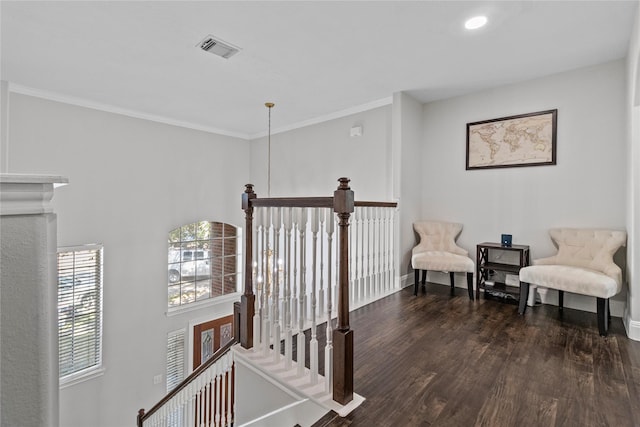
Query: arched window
x=203, y=262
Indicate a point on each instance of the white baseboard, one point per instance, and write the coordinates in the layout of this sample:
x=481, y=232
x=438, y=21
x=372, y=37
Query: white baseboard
x=406, y=280
x=632, y=326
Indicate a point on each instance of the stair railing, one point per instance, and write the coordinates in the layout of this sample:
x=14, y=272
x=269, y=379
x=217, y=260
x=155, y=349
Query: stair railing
x=206, y=397
x=289, y=252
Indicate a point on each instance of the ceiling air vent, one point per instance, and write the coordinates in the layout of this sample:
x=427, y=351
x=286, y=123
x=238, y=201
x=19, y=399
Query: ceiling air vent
x=218, y=47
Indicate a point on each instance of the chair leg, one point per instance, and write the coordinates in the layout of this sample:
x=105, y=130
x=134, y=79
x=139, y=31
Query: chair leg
x=452, y=281
x=424, y=276
x=561, y=299
x=416, y=273
x=603, y=316
x=470, y=285
x=609, y=309
x=524, y=296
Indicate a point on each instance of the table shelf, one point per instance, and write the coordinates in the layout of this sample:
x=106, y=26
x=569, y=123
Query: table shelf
x=486, y=269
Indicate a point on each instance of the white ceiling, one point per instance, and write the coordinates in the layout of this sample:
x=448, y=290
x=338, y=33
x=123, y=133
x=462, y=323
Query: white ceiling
x=313, y=59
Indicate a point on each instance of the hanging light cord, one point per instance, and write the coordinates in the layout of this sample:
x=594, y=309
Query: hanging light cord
x=269, y=105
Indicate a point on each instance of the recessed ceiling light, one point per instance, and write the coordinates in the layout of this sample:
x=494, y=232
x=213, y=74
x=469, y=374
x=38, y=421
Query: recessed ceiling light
x=475, y=22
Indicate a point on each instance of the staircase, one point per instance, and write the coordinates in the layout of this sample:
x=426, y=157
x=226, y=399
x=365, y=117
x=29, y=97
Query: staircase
x=290, y=336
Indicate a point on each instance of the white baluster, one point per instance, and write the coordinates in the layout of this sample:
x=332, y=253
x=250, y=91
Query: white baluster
x=313, y=344
x=295, y=284
x=191, y=419
x=200, y=401
x=262, y=272
x=223, y=394
x=388, y=248
x=376, y=252
x=358, y=285
x=207, y=403
x=385, y=249
x=288, y=334
x=370, y=283
x=328, y=350
x=267, y=270
x=234, y=398
x=277, y=331
x=258, y=286
x=396, y=250
x=321, y=215
x=350, y=231
x=363, y=250
x=360, y=250
x=302, y=227
x=337, y=264
x=380, y=261
x=370, y=257
x=218, y=393
x=304, y=294
x=380, y=251
x=231, y=391
x=353, y=291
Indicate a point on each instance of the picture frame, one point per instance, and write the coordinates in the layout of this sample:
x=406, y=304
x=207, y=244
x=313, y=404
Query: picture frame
x=513, y=141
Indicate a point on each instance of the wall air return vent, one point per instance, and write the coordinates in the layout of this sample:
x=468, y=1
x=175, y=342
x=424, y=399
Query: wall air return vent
x=218, y=47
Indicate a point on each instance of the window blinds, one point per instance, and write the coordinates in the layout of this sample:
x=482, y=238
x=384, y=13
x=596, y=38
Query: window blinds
x=79, y=309
x=175, y=359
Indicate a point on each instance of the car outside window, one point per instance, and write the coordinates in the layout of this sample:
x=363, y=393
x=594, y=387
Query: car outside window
x=202, y=262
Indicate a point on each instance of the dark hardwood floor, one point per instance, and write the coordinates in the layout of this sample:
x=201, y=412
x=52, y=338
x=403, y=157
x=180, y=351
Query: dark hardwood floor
x=441, y=360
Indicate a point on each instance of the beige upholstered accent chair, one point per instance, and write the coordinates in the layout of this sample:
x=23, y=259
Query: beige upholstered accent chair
x=437, y=251
x=583, y=265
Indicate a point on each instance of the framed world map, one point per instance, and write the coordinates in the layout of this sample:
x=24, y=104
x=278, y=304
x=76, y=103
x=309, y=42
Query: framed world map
x=522, y=140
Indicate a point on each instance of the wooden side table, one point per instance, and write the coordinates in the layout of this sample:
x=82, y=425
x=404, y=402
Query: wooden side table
x=485, y=268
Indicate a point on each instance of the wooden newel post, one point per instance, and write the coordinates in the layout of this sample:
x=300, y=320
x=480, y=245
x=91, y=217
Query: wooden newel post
x=247, y=300
x=343, y=205
x=139, y=421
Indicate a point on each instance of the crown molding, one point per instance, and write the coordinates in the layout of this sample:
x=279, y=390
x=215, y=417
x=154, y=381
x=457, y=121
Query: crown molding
x=327, y=117
x=81, y=102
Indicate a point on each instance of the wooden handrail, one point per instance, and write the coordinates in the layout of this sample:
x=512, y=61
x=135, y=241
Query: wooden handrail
x=293, y=202
x=312, y=202
x=363, y=204
x=142, y=415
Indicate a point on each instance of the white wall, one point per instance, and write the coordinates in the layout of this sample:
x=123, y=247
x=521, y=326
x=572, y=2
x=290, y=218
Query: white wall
x=632, y=317
x=407, y=143
x=585, y=189
x=308, y=161
x=131, y=181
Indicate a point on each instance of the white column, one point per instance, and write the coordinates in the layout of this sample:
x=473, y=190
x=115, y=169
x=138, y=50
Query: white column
x=29, y=370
